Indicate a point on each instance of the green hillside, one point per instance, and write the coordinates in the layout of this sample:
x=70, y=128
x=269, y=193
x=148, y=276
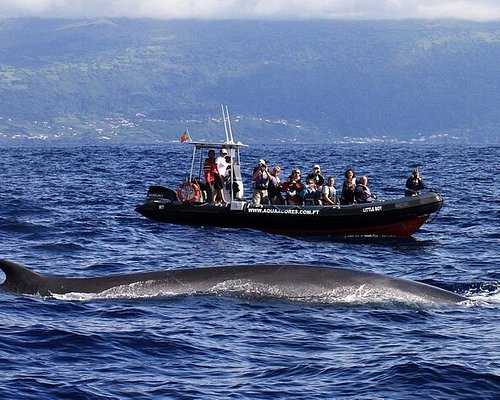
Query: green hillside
x=144, y=80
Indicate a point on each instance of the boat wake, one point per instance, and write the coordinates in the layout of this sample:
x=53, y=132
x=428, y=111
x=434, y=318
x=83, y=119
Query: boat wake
x=485, y=293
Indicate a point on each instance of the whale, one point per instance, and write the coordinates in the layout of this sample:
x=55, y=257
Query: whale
x=297, y=282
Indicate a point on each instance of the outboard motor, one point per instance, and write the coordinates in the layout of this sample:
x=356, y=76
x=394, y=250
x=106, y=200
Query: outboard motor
x=158, y=193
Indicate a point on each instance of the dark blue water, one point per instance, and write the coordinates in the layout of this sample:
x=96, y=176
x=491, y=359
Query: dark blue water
x=70, y=211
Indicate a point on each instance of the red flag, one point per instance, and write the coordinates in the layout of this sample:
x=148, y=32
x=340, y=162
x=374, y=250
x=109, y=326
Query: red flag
x=185, y=137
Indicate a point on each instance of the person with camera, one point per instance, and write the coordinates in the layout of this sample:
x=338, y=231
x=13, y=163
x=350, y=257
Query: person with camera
x=294, y=188
x=315, y=174
x=414, y=184
x=260, y=180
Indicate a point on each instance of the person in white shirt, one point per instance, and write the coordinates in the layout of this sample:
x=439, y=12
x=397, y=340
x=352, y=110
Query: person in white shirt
x=221, y=162
x=222, y=165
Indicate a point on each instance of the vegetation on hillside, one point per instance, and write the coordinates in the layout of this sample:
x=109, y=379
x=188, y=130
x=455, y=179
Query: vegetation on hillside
x=145, y=80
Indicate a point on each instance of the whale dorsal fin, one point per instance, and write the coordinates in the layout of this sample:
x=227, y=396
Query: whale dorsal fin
x=20, y=279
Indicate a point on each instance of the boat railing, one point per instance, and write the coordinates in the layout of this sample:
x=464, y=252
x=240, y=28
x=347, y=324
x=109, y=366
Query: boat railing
x=233, y=150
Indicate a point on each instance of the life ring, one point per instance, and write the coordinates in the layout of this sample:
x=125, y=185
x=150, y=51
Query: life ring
x=188, y=191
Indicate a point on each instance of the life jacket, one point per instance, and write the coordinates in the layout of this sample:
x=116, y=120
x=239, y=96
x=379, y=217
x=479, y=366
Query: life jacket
x=414, y=184
x=209, y=169
x=363, y=194
x=294, y=191
x=347, y=196
x=261, y=182
x=274, y=186
x=331, y=193
x=319, y=180
x=311, y=196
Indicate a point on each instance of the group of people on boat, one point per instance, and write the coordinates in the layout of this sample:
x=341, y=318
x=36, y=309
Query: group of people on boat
x=216, y=171
x=268, y=188
x=355, y=190
x=315, y=190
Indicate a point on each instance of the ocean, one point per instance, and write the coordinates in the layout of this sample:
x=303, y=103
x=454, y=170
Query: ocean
x=69, y=210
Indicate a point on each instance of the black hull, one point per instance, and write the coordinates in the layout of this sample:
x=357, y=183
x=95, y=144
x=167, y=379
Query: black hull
x=400, y=217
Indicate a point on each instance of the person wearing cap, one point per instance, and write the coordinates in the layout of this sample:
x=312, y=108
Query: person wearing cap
x=222, y=165
x=261, y=179
x=414, y=184
x=257, y=167
x=315, y=174
x=221, y=162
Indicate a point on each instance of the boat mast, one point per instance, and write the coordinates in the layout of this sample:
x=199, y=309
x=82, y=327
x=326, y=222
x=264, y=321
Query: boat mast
x=192, y=165
x=225, y=117
x=229, y=126
x=232, y=150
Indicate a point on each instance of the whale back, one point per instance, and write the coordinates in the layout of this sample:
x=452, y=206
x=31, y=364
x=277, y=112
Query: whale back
x=296, y=282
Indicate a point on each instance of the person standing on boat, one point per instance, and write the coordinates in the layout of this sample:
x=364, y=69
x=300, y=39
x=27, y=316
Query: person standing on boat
x=362, y=192
x=222, y=165
x=232, y=187
x=261, y=179
x=414, y=184
x=319, y=179
x=329, y=193
x=227, y=175
x=348, y=187
x=209, y=170
x=275, y=187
